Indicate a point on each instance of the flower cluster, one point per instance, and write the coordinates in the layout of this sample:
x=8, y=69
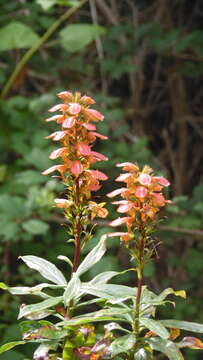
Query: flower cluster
x=142, y=199
x=77, y=135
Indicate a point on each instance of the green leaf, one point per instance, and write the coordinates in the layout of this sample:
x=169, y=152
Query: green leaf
x=39, y=307
x=46, y=4
x=154, y=326
x=35, y=227
x=167, y=347
x=76, y=36
x=183, y=325
x=122, y=344
x=143, y=354
x=47, y=270
x=17, y=35
x=72, y=290
x=10, y=346
x=103, y=277
x=114, y=293
x=93, y=257
x=34, y=290
x=3, y=286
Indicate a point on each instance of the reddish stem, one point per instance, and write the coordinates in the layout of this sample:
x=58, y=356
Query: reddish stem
x=78, y=231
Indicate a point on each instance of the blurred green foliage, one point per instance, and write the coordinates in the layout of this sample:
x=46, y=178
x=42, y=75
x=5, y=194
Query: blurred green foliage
x=145, y=68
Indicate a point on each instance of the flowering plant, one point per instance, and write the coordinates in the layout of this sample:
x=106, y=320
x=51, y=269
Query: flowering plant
x=130, y=329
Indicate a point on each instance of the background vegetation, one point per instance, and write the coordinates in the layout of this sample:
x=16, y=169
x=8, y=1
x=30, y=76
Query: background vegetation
x=143, y=60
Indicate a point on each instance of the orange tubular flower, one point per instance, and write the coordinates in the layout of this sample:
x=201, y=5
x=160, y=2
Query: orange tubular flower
x=77, y=135
x=142, y=199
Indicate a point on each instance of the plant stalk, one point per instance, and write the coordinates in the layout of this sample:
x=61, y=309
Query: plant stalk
x=37, y=45
x=78, y=231
x=139, y=284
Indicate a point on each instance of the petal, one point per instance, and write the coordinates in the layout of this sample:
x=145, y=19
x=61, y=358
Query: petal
x=96, y=134
x=74, y=108
x=69, y=122
x=98, y=174
x=93, y=115
x=65, y=95
x=116, y=192
x=84, y=149
x=76, y=168
x=60, y=168
x=62, y=203
x=87, y=100
x=61, y=107
x=54, y=118
x=89, y=126
x=124, y=208
x=145, y=179
x=98, y=156
x=120, y=202
x=141, y=192
x=57, y=153
x=114, y=234
x=161, y=180
x=158, y=199
x=123, y=177
x=120, y=221
x=57, y=135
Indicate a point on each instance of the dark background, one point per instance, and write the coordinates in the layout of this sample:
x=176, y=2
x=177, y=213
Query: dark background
x=143, y=63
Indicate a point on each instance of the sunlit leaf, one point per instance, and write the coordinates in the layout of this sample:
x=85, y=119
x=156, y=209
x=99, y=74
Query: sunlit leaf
x=47, y=270
x=183, y=325
x=28, y=310
x=166, y=347
x=93, y=257
x=72, y=290
x=154, y=326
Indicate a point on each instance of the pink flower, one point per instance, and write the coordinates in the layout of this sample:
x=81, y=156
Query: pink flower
x=74, y=108
x=61, y=107
x=93, y=115
x=89, y=126
x=76, y=168
x=116, y=192
x=69, y=122
x=57, y=153
x=59, y=168
x=141, y=192
x=57, y=135
x=114, y=234
x=65, y=95
x=127, y=166
x=145, y=179
x=55, y=118
x=87, y=100
x=94, y=135
x=120, y=221
x=158, y=199
x=96, y=174
x=161, y=180
x=123, y=177
x=84, y=149
x=125, y=207
x=98, y=156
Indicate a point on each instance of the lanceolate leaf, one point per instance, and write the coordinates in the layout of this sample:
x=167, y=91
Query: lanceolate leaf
x=72, y=289
x=46, y=269
x=167, y=347
x=114, y=293
x=183, y=325
x=10, y=346
x=122, y=344
x=93, y=257
x=28, y=310
x=154, y=326
x=104, y=277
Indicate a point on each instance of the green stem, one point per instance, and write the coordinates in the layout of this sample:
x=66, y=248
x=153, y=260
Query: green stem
x=37, y=45
x=139, y=285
